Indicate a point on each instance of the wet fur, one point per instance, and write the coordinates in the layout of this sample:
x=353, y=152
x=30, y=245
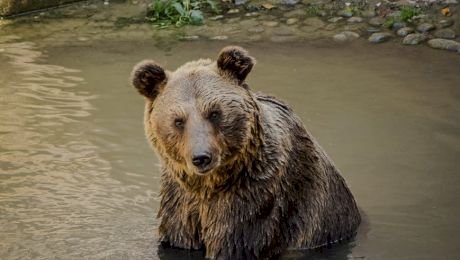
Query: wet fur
x=276, y=190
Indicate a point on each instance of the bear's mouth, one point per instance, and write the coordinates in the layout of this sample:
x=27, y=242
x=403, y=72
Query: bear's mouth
x=205, y=170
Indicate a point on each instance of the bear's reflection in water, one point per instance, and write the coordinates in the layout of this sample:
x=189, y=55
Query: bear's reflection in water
x=341, y=251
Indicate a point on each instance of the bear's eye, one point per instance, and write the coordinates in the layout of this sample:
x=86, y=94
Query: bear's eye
x=214, y=116
x=179, y=123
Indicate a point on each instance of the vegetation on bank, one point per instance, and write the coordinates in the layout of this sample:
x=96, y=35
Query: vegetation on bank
x=406, y=13
x=178, y=13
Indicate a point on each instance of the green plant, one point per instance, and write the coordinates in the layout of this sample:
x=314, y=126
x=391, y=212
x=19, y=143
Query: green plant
x=173, y=12
x=389, y=22
x=313, y=10
x=407, y=12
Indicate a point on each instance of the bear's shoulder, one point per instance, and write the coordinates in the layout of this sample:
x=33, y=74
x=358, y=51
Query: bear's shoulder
x=273, y=102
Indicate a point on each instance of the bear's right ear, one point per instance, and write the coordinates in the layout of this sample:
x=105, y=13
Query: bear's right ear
x=148, y=78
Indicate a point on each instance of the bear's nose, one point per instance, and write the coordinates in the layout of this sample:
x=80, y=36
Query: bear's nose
x=201, y=160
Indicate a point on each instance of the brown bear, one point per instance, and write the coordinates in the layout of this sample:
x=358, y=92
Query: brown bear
x=241, y=177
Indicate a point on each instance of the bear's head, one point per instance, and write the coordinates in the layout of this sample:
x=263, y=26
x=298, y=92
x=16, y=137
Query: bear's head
x=201, y=119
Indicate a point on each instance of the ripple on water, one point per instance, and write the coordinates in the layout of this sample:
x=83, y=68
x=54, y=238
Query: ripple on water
x=56, y=193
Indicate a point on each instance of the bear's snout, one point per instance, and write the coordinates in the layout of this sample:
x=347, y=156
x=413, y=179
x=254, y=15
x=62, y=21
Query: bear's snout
x=202, y=160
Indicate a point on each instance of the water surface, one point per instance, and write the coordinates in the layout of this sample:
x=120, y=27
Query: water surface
x=78, y=179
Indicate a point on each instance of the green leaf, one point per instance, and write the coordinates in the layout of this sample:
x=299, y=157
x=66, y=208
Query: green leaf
x=196, y=16
x=179, y=8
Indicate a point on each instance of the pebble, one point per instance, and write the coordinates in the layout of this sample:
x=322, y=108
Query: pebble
x=295, y=13
x=335, y=19
x=291, y=21
x=398, y=25
x=270, y=23
x=345, y=36
x=215, y=18
x=414, y=38
x=256, y=29
x=233, y=11
x=377, y=21
x=189, y=37
x=373, y=29
x=379, y=37
x=369, y=13
x=288, y=2
x=83, y=39
x=251, y=14
x=345, y=13
x=425, y=27
x=444, y=23
x=404, y=31
x=240, y=2
x=445, y=34
x=315, y=22
x=220, y=37
x=444, y=44
x=355, y=19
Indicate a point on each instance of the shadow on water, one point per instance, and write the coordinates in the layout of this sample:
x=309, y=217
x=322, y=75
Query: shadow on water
x=341, y=251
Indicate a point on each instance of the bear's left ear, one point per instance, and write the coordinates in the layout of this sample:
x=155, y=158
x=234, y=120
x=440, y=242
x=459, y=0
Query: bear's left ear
x=236, y=62
x=148, y=78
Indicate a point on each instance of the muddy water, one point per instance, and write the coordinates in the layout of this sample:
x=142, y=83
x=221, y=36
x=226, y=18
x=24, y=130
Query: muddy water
x=78, y=180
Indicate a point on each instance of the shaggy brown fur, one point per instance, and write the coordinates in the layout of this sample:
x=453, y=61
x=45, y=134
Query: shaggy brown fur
x=266, y=184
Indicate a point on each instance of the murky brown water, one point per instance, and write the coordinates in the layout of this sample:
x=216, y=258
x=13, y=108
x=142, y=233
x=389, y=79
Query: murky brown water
x=78, y=180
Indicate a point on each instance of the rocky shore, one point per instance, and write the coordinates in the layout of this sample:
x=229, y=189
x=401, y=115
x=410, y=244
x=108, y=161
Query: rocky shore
x=432, y=23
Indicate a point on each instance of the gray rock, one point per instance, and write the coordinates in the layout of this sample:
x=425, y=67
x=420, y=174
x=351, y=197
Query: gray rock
x=345, y=13
x=346, y=36
x=369, y=13
x=219, y=37
x=414, y=39
x=335, y=19
x=189, y=37
x=404, y=31
x=233, y=11
x=251, y=14
x=444, y=44
x=377, y=21
x=445, y=34
x=373, y=29
x=287, y=2
x=215, y=18
x=444, y=23
x=270, y=23
x=355, y=19
x=419, y=17
x=379, y=37
x=240, y=2
x=291, y=21
x=425, y=27
x=398, y=25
